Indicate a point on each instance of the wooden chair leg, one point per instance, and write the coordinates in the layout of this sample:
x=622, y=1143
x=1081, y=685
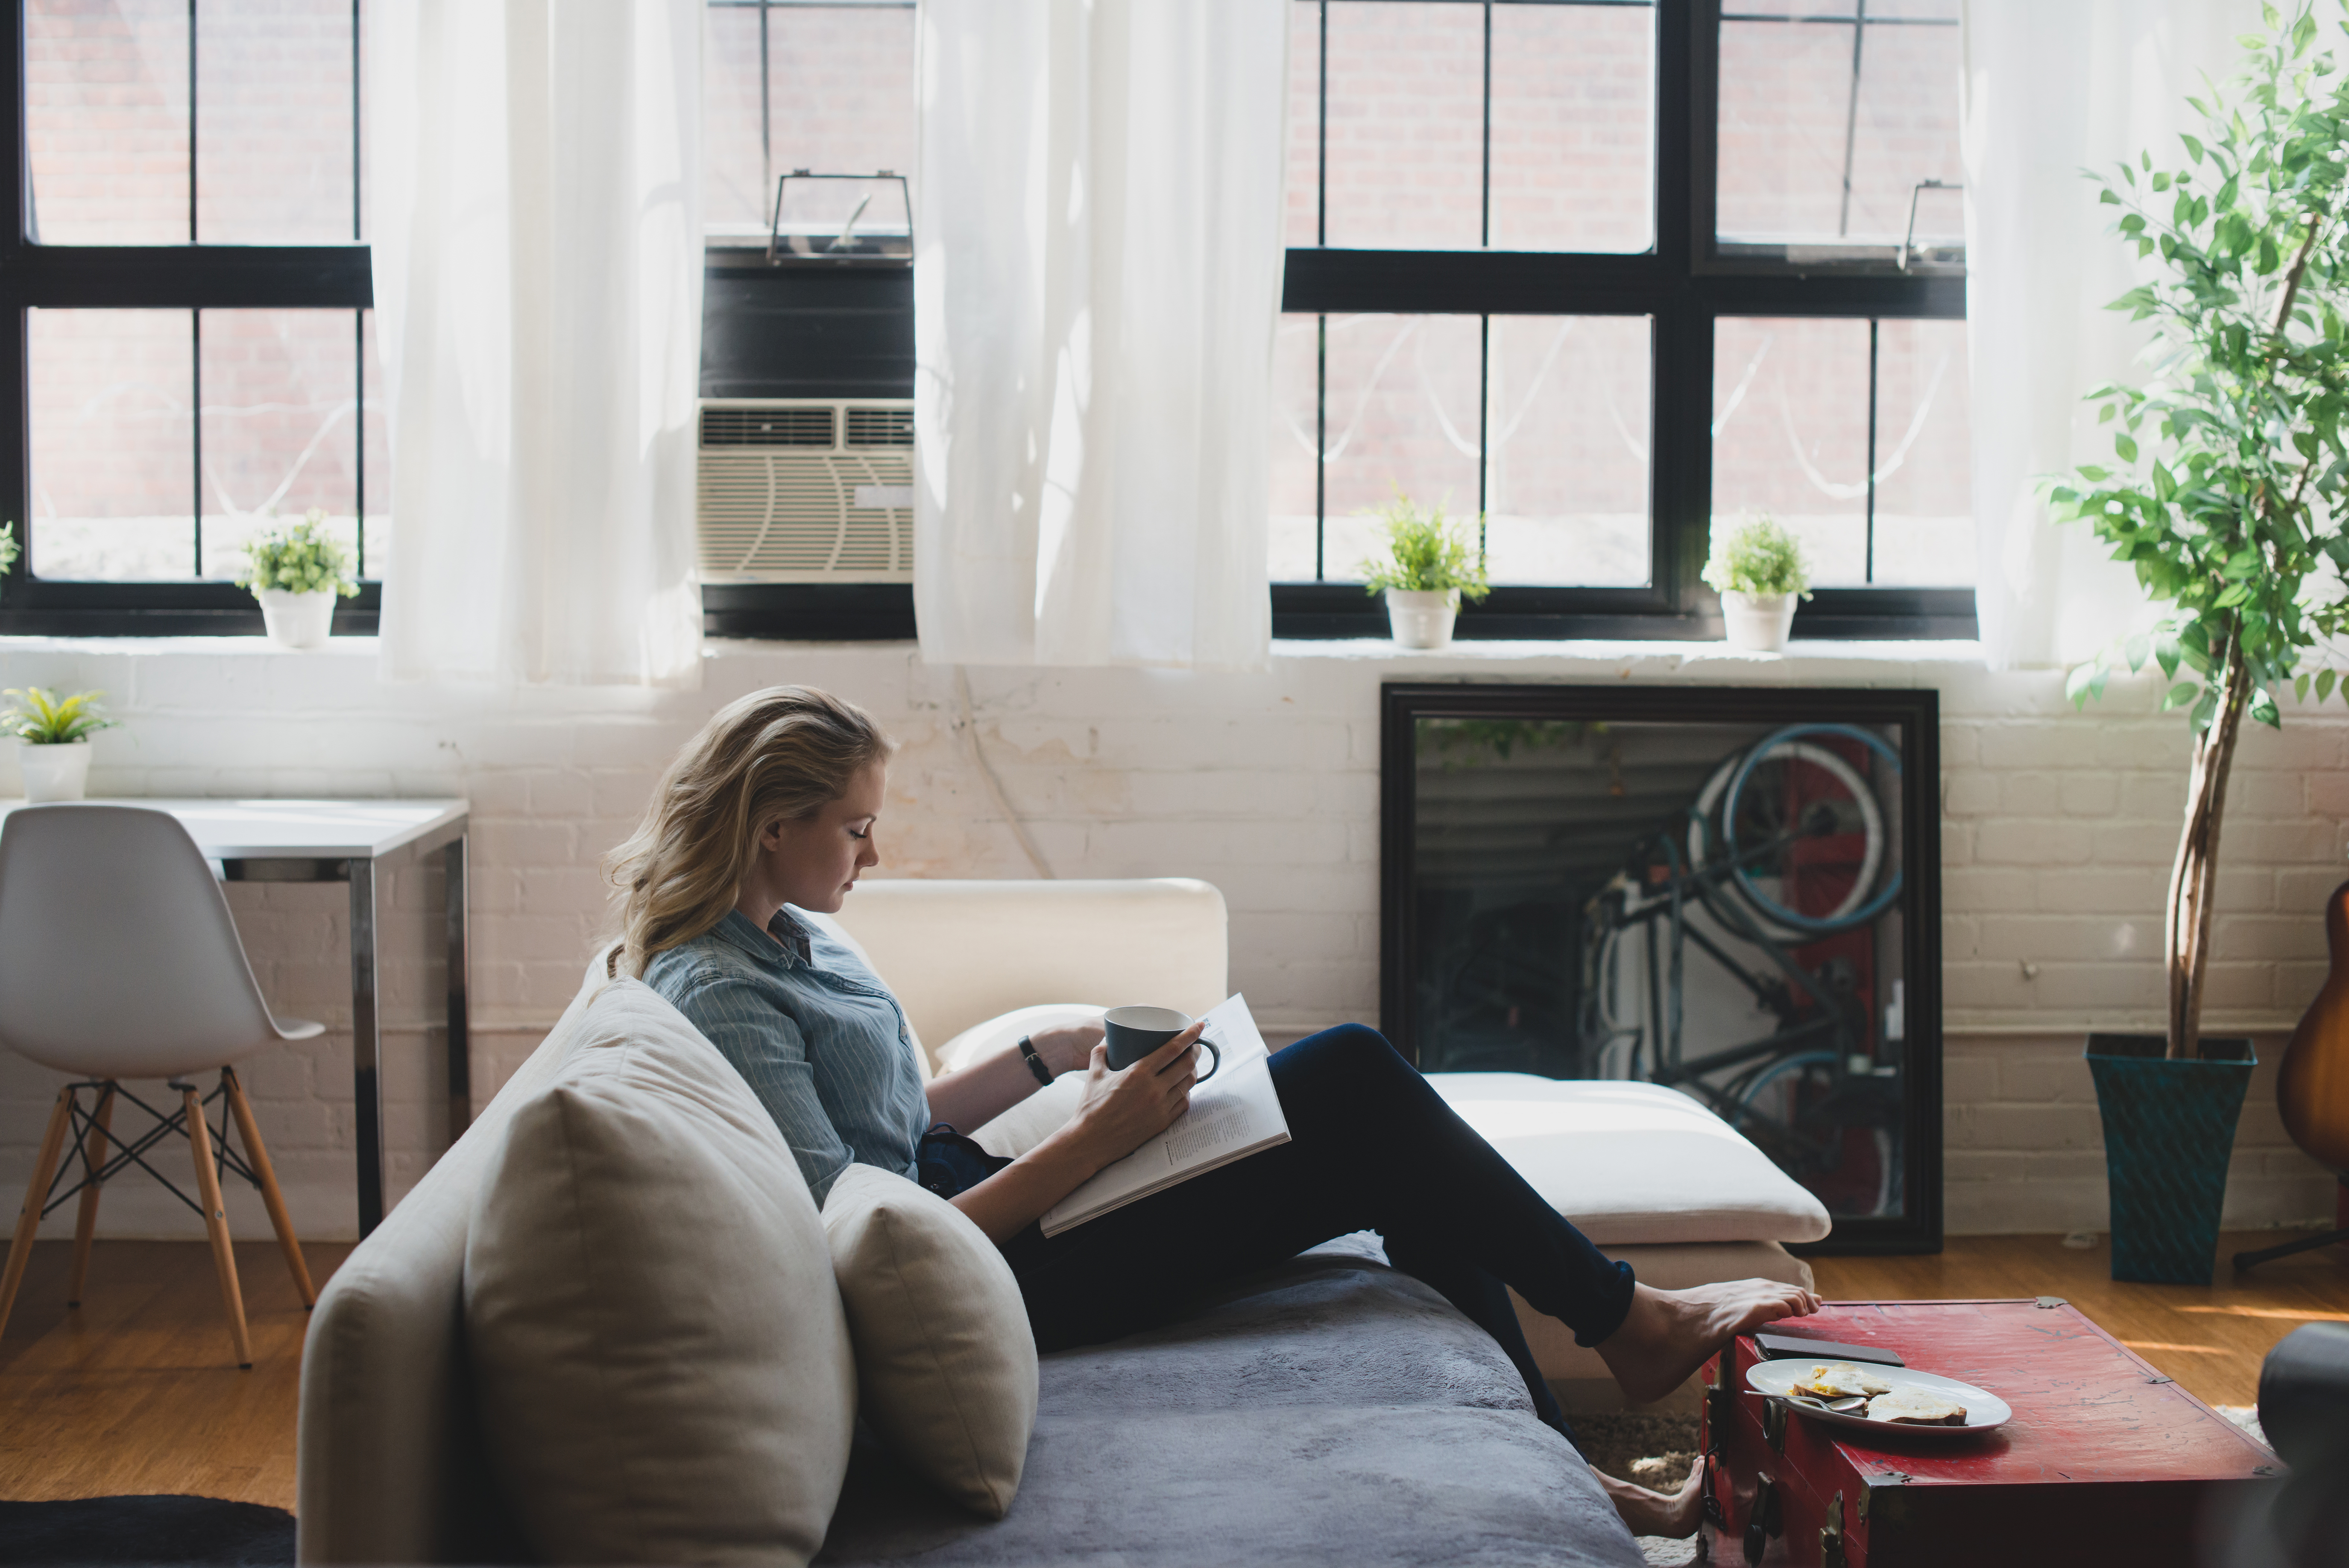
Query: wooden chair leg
x=28, y=1219
x=86, y=1224
x=258, y=1157
x=199, y=1139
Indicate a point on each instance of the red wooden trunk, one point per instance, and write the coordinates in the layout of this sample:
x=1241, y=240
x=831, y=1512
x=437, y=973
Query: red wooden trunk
x=2106, y=1461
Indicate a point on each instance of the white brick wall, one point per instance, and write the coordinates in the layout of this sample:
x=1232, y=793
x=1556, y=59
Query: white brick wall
x=2057, y=828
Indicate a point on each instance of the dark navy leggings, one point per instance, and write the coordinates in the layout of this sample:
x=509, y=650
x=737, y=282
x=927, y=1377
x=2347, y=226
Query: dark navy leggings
x=1371, y=1147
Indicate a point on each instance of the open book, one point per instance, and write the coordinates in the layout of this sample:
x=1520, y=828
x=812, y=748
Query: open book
x=1233, y=1115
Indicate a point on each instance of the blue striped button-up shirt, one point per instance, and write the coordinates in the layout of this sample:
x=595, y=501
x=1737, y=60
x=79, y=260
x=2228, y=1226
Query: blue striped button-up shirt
x=816, y=1035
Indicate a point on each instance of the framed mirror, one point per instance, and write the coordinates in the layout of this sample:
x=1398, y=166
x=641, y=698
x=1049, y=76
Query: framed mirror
x=1734, y=892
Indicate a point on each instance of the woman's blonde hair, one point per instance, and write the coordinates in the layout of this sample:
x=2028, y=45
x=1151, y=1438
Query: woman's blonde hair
x=786, y=752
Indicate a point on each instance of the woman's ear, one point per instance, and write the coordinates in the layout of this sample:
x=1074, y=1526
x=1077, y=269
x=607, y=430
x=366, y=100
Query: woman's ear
x=770, y=836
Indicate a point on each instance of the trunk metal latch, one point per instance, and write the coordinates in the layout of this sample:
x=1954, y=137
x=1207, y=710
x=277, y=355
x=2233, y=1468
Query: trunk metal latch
x=1831, y=1536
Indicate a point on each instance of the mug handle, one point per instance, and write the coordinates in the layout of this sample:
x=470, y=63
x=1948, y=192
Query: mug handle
x=1215, y=1051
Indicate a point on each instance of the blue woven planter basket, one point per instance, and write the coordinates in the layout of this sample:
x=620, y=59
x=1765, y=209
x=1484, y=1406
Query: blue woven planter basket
x=2170, y=1131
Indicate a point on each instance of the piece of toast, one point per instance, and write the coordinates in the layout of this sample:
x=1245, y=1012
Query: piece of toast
x=1917, y=1407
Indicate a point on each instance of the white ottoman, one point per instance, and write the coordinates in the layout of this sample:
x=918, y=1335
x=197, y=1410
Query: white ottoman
x=1654, y=1179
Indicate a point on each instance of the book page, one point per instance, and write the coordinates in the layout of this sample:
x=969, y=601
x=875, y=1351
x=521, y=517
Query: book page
x=1235, y=1112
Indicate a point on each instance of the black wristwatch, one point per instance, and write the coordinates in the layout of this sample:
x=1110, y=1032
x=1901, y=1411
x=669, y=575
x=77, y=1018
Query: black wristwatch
x=1035, y=1062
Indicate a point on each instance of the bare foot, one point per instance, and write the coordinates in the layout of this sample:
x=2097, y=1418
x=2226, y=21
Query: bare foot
x=1654, y=1512
x=1668, y=1335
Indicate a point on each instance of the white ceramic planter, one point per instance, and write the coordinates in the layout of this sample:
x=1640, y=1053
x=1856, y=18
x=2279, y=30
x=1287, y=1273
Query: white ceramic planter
x=296, y=620
x=1758, y=623
x=54, y=772
x=1422, y=617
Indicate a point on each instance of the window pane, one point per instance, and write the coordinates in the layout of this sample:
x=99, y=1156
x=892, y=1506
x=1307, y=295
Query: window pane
x=1790, y=435
x=735, y=192
x=1402, y=415
x=112, y=443
x=1567, y=479
x=280, y=397
x=1290, y=531
x=1305, y=123
x=1406, y=125
x=1924, y=489
x=274, y=122
x=1793, y=133
x=106, y=121
x=1573, y=127
x=840, y=87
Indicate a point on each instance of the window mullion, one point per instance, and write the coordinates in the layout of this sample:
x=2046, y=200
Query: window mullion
x=196, y=425
x=1867, y=566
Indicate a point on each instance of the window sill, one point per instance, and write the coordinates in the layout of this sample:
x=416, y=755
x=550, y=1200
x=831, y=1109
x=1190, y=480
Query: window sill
x=1621, y=659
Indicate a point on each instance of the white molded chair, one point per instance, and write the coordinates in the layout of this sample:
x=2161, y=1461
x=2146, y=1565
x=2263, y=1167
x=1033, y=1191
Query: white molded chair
x=119, y=960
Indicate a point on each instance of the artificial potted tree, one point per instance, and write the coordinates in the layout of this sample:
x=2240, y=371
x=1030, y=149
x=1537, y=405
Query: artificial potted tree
x=2228, y=499
x=54, y=731
x=297, y=573
x=1758, y=567
x=1431, y=564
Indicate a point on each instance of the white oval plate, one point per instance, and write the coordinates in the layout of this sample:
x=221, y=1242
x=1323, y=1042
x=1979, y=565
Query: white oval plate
x=1984, y=1409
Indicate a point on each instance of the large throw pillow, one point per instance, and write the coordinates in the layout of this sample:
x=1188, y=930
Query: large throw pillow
x=662, y=1366
x=946, y=1363
x=982, y=1040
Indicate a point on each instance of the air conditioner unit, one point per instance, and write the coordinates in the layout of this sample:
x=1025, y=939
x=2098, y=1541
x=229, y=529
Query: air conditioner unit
x=806, y=490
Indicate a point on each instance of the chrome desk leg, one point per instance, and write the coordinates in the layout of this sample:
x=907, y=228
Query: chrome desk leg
x=461, y=1059
x=367, y=1046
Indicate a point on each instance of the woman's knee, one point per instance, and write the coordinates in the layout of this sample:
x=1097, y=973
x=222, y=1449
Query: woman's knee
x=1351, y=1069
x=1352, y=1042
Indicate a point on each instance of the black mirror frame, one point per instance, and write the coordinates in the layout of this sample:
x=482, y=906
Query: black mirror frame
x=1917, y=715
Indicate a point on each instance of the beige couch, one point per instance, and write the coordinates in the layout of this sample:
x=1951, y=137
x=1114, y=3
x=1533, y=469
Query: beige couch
x=390, y=1467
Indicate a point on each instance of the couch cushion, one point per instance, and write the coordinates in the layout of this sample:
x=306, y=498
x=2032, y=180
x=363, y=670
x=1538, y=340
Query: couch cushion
x=1329, y=1411
x=663, y=1364
x=1634, y=1162
x=956, y=953
x=946, y=1363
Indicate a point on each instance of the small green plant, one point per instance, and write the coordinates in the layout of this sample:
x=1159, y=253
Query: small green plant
x=1759, y=559
x=1426, y=552
x=300, y=559
x=41, y=718
x=8, y=545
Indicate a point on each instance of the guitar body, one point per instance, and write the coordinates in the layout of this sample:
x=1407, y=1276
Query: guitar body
x=2313, y=1084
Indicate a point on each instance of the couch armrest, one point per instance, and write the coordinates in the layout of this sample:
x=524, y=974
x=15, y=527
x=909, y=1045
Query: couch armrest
x=956, y=953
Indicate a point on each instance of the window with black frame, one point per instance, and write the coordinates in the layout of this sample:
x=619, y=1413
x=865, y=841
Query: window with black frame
x=1603, y=274
x=187, y=292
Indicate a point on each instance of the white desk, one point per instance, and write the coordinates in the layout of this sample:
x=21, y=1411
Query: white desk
x=340, y=841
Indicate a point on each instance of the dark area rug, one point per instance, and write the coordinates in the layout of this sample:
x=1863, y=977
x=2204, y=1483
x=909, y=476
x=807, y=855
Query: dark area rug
x=167, y=1528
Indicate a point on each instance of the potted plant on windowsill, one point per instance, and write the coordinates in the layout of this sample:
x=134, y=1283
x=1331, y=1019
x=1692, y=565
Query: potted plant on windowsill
x=297, y=573
x=55, y=732
x=1430, y=565
x=1757, y=568
x=2228, y=501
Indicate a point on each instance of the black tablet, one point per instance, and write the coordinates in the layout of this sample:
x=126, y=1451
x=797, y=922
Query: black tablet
x=1788, y=1346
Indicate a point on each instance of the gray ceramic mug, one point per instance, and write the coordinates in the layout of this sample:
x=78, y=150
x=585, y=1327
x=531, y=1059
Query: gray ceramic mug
x=1134, y=1033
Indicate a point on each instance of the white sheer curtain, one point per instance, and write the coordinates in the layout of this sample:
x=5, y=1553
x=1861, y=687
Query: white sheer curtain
x=2052, y=88
x=536, y=225
x=1097, y=279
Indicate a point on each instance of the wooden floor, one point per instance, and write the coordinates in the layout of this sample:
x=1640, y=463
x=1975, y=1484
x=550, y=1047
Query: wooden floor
x=137, y=1392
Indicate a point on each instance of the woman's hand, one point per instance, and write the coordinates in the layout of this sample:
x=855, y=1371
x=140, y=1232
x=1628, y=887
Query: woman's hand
x=1120, y=1111
x=1068, y=1047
